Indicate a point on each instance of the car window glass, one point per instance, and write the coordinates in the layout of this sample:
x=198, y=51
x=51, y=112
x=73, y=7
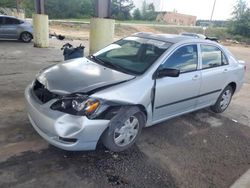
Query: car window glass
x=133, y=54
x=224, y=59
x=184, y=59
x=11, y=21
x=212, y=57
x=129, y=48
x=1, y=21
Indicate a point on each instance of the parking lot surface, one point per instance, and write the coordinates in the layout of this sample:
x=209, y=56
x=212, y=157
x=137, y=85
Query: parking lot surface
x=201, y=149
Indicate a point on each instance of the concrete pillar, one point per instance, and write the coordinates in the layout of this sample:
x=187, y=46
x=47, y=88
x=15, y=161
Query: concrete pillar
x=41, y=30
x=101, y=33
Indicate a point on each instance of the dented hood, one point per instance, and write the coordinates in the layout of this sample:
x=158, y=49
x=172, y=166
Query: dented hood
x=79, y=75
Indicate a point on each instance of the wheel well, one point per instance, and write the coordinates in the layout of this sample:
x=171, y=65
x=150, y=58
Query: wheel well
x=143, y=109
x=233, y=85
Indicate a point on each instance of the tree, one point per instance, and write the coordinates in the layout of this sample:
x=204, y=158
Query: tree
x=137, y=14
x=120, y=9
x=8, y=3
x=148, y=11
x=240, y=24
x=55, y=8
x=144, y=10
x=151, y=14
x=239, y=9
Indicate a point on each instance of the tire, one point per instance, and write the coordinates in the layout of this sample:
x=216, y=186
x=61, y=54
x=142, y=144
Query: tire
x=26, y=37
x=120, y=139
x=223, y=101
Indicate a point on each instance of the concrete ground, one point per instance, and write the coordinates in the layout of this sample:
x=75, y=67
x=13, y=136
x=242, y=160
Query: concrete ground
x=201, y=149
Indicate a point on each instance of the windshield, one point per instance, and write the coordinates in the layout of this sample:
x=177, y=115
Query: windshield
x=132, y=55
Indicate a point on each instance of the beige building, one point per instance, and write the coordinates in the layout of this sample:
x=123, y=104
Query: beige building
x=174, y=18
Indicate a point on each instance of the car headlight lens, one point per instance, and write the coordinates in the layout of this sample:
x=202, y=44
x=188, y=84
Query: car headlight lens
x=77, y=105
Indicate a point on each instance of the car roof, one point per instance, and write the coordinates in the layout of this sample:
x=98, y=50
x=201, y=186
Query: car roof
x=6, y=16
x=172, y=38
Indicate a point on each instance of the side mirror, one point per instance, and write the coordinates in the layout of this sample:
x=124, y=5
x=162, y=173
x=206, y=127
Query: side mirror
x=166, y=72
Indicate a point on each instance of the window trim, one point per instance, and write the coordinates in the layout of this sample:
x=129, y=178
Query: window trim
x=178, y=47
x=201, y=62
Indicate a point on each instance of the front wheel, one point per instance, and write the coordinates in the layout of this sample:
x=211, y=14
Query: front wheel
x=223, y=101
x=123, y=137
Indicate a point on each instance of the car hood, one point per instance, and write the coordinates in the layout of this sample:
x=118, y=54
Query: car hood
x=79, y=75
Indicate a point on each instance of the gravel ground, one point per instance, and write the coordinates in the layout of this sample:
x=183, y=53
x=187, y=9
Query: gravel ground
x=201, y=149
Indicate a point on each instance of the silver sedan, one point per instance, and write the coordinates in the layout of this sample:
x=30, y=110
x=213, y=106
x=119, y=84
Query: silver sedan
x=136, y=82
x=13, y=28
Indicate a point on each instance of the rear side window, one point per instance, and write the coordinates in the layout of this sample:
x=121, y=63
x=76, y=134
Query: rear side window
x=184, y=59
x=11, y=21
x=212, y=57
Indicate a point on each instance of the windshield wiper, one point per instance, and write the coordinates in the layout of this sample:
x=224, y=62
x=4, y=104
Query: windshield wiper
x=96, y=59
x=110, y=65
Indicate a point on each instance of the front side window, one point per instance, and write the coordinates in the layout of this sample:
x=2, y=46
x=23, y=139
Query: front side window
x=212, y=57
x=184, y=59
x=132, y=54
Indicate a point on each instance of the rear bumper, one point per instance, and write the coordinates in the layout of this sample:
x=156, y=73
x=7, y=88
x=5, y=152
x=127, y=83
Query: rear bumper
x=62, y=130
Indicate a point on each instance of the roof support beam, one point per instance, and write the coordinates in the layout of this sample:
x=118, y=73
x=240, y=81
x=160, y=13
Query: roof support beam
x=39, y=6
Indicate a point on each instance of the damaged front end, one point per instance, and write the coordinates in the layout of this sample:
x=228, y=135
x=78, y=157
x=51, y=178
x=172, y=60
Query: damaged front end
x=78, y=104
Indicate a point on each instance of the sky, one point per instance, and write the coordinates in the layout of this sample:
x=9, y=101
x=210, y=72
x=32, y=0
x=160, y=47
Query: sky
x=200, y=8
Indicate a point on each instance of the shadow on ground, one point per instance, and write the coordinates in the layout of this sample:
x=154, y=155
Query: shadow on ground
x=56, y=168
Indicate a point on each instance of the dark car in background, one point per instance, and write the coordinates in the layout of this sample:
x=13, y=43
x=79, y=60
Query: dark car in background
x=13, y=28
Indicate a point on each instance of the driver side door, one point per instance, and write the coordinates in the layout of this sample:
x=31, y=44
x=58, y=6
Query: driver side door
x=177, y=95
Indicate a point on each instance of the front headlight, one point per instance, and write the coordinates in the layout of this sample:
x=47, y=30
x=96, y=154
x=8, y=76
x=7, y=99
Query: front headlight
x=79, y=105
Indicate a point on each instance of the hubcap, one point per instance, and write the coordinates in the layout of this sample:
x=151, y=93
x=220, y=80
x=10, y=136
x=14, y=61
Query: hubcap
x=26, y=37
x=225, y=99
x=127, y=133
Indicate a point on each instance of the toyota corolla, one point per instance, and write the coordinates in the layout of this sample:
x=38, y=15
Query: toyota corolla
x=136, y=82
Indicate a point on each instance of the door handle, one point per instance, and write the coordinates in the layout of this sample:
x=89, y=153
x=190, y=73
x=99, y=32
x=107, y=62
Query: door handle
x=195, y=77
x=225, y=70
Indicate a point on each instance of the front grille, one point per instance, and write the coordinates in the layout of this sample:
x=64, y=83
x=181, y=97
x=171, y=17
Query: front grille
x=43, y=94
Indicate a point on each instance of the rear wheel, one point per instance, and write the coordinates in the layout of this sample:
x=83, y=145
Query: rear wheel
x=26, y=37
x=223, y=101
x=121, y=138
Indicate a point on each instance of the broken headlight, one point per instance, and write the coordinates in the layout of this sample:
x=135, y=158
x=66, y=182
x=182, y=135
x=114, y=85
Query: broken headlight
x=79, y=105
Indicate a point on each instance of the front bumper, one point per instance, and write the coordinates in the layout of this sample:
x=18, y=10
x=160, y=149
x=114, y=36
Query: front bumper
x=62, y=130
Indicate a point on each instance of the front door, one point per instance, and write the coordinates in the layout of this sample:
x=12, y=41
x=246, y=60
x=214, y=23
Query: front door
x=176, y=95
x=9, y=28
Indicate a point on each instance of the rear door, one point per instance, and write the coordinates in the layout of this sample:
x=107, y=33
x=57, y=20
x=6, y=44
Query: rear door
x=174, y=96
x=214, y=74
x=9, y=28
